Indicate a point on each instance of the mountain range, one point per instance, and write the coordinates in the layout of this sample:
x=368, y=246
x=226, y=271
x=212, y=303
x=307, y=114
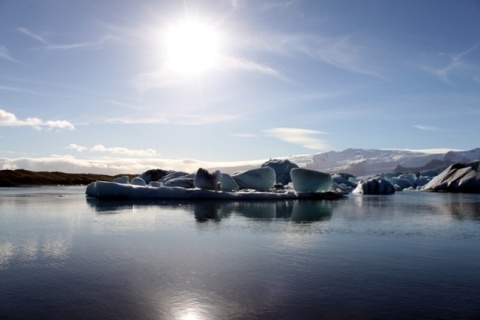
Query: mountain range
x=365, y=162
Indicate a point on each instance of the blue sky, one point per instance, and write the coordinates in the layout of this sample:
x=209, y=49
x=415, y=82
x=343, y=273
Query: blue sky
x=86, y=81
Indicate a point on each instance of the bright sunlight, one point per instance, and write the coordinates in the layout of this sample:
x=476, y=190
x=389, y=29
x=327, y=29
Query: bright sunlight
x=192, y=47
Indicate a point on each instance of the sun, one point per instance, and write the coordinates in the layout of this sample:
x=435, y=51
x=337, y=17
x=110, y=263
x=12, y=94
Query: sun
x=192, y=47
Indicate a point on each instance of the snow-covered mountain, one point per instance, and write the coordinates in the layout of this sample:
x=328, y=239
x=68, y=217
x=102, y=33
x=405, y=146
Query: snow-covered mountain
x=362, y=162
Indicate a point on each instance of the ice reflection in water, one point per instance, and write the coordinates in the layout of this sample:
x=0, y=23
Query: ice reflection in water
x=360, y=257
x=298, y=211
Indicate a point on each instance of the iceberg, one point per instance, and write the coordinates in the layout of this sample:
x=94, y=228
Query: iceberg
x=262, y=179
x=458, y=177
x=306, y=180
x=282, y=169
x=206, y=180
x=254, y=184
x=374, y=186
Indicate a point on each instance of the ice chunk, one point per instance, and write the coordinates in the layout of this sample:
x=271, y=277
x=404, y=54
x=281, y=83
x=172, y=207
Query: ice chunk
x=91, y=189
x=228, y=183
x=175, y=175
x=459, y=177
x=374, y=186
x=137, y=181
x=184, y=182
x=282, y=169
x=153, y=175
x=208, y=181
x=155, y=184
x=306, y=180
x=260, y=178
x=123, y=179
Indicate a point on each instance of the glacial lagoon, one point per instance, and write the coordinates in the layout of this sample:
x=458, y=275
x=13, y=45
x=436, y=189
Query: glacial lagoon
x=411, y=255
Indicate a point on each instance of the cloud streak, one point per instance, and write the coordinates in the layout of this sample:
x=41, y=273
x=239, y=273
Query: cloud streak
x=32, y=35
x=99, y=148
x=302, y=137
x=456, y=61
x=4, y=54
x=81, y=45
x=8, y=119
x=346, y=52
x=426, y=128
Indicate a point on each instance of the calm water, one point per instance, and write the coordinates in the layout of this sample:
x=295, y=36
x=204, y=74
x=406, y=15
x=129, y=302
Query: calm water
x=407, y=256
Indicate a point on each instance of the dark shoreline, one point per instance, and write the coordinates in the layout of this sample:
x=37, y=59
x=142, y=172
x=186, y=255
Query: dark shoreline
x=27, y=178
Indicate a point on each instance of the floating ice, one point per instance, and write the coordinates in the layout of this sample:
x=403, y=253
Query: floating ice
x=306, y=180
x=282, y=169
x=228, y=183
x=374, y=186
x=258, y=179
x=123, y=179
x=183, y=182
x=137, y=181
x=208, y=181
x=257, y=184
x=459, y=177
x=153, y=175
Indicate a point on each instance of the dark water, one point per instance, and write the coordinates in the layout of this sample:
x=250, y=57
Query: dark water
x=407, y=256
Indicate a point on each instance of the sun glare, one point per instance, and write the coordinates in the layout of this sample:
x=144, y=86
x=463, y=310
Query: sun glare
x=192, y=47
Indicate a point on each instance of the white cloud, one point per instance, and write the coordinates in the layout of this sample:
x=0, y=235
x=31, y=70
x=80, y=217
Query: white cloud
x=114, y=166
x=303, y=137
x=113, y=150
x=426, y=128
x=76, y=147
x=8, y=119
x=61, y=124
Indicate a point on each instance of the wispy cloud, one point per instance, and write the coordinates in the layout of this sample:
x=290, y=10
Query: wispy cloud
x=81, y=45
x=347, y=52
x=4, y=54
x=202, y=119
x=167, y=77
x=114, y=150
x=30, y=34
x=456, y=62
x=160, y=78
x=244, y=135
x=251, y=66
x=302, y=137
x=426, y=128
x=277, y=5
x=8, y=119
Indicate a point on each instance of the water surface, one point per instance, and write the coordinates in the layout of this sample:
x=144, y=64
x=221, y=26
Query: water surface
x=410, y=255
